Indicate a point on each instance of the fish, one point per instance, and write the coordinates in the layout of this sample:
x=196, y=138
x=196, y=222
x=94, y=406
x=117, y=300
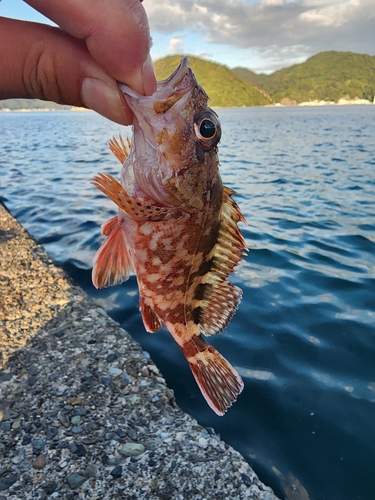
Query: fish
x=176, y=227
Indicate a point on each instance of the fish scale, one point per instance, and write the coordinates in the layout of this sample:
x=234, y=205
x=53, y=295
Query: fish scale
x=176, y=227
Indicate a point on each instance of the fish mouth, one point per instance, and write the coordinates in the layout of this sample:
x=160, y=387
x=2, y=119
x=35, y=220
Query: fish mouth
x=153, y=115
x=169, y=91
x=177, y=75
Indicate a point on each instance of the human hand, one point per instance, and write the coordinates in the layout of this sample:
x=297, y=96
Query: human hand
x=98, y=42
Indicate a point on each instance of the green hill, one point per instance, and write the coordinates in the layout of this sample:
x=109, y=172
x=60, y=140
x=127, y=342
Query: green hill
x=326, y=76
x=224, y=88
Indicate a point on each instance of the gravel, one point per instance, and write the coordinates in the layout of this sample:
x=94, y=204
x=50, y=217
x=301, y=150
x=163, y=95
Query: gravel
x=84, y=412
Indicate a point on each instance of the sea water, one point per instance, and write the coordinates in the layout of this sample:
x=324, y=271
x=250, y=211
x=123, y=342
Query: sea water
x=303, y=338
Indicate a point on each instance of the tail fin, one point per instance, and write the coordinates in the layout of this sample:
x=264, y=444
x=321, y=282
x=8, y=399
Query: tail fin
x=217, y=379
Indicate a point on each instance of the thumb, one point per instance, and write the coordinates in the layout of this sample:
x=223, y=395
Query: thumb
x=43, y=62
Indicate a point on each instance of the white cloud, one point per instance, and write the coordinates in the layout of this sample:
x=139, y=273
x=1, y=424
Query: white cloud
x=274, y=29
x=176, y=45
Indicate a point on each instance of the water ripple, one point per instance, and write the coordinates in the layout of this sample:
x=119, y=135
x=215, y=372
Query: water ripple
x=304, y=335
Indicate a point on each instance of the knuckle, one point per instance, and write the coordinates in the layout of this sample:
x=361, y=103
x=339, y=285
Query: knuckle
x=40, y=75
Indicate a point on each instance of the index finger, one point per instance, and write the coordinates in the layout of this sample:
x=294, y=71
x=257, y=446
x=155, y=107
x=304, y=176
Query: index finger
x=116, y=33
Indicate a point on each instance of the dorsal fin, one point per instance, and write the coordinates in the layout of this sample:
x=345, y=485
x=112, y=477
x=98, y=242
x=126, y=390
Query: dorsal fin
x=119, y=148
x=220, y=297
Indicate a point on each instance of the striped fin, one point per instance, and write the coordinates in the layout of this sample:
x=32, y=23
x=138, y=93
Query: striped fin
x=220, y=297
x=109, y=225
x=112, y=261
x=218, y=381
x=119, y=148
x=150, y=319
x=109, y=186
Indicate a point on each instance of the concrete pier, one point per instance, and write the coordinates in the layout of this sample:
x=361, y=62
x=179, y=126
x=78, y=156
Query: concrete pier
x=84, y=412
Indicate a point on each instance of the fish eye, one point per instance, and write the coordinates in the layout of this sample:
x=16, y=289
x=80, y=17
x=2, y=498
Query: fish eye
x=207, y=129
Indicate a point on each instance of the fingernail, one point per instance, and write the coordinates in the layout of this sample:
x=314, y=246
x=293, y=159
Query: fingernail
x=148, y=76
x=105, y=100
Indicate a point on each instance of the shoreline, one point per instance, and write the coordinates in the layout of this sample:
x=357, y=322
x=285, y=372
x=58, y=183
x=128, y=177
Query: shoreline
x=341, y=102
x=84, y=412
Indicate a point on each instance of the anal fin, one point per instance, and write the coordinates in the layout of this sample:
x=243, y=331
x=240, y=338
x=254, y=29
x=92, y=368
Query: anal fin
x=150, y=319
x=218, y=381
x=112, y=261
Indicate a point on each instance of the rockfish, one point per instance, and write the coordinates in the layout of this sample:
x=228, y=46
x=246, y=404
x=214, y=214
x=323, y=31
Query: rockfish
x=176, y=227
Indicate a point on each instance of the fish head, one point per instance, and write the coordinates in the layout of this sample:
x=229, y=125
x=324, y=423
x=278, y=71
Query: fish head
x=175, y=136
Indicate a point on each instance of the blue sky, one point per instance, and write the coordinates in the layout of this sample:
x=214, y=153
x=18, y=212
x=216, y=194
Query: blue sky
x=262, y=35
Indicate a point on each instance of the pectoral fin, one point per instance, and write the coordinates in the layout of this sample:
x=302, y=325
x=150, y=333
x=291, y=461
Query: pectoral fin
x=112, y=261
x=109, y=186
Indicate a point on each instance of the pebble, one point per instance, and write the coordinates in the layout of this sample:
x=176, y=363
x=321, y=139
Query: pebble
x=115, y=372
x=63, y=419
x=121, y=433
x=132, y=434
x=131, y=449
x=116, y=472
x=77, y=429
x=60, y=389
x=38, y=444
x=74, y=401
x=19, y=457
x=16, y=425
x=202, y=442
x=51, y=433
x=91, y=470
x=50, y=488
x=8, y=482
x=106, y=380
x=153, y=369
x=115, y=460
x=75, y=420
x=246, y=480
x=75, y=480
x=80, y=450
x=40, y=462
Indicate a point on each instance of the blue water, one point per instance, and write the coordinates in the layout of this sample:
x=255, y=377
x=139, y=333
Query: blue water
x=304, y=336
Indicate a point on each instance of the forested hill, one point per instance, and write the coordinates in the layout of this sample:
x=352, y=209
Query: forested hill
x=224, y=87
x=326, y=76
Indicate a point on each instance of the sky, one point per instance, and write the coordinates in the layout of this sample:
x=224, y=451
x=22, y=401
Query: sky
x=261, y=35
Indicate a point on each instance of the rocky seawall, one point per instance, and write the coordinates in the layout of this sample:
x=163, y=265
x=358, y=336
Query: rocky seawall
x=84, y=412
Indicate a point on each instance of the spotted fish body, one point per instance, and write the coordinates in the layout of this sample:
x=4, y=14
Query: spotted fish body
x=176, y=227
